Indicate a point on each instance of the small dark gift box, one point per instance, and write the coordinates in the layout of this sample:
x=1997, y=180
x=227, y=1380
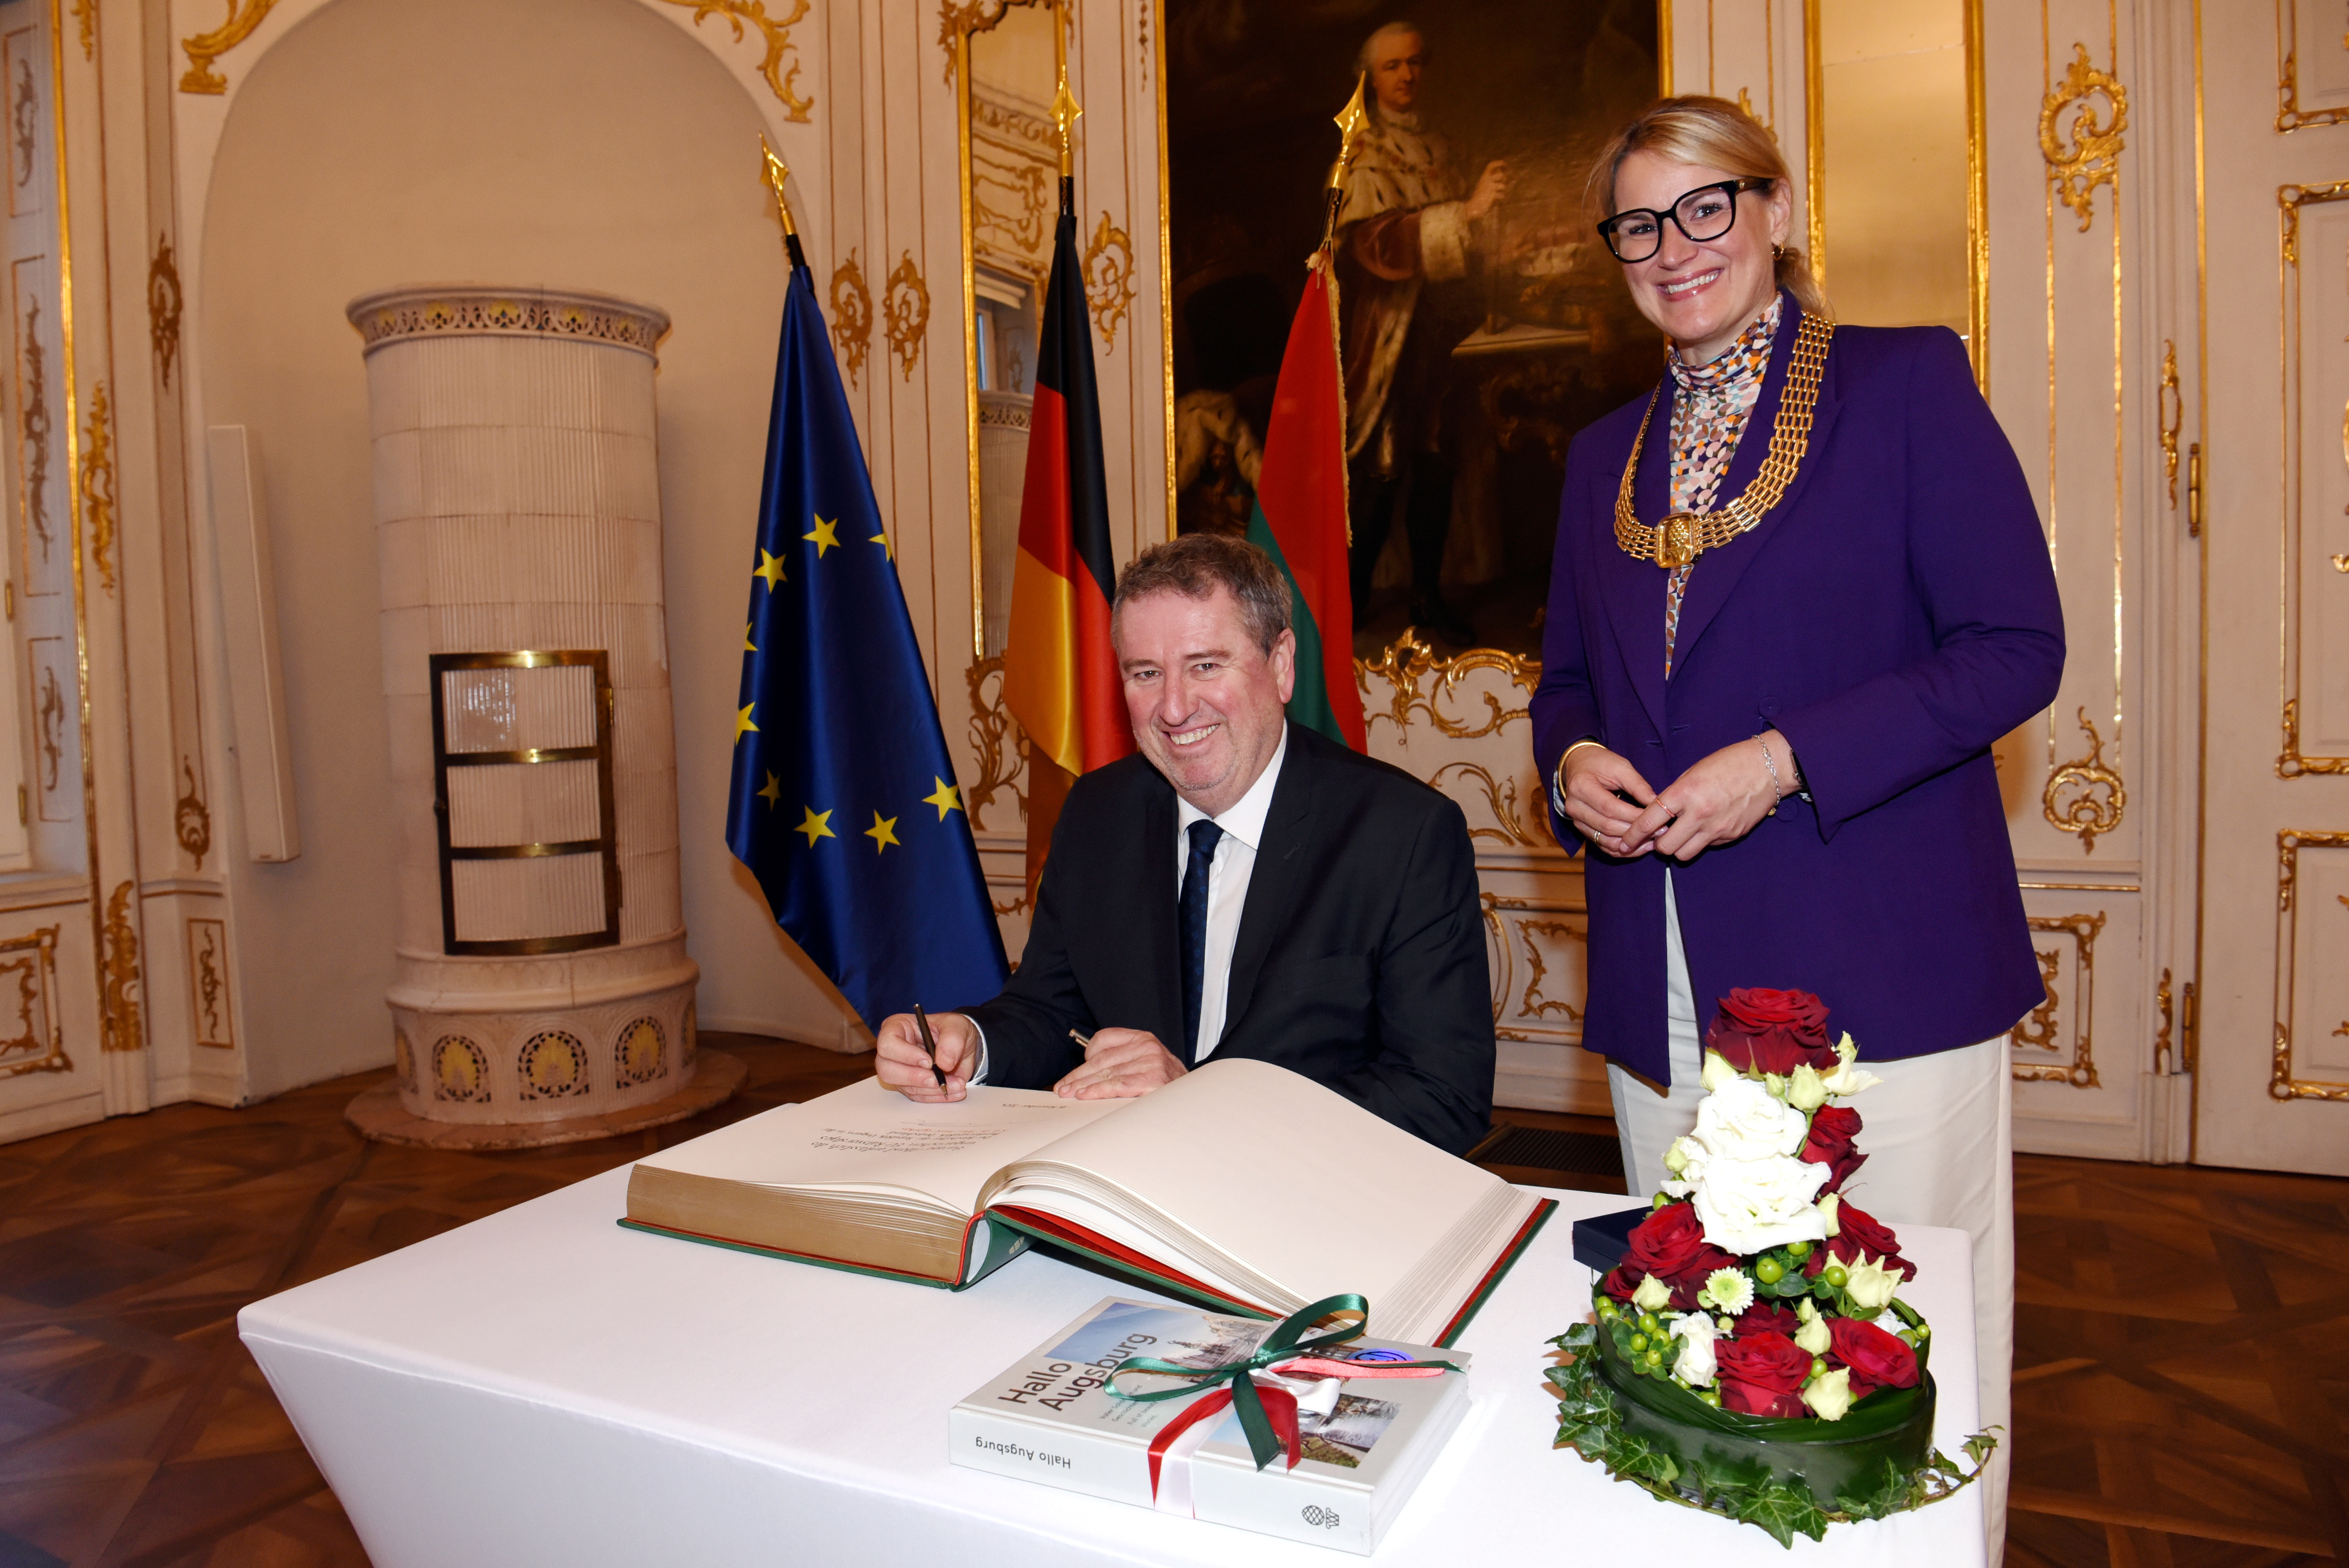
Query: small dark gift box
x=1600, y=1242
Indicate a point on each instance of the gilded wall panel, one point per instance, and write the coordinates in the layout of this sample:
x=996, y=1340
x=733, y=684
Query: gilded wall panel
x=2312, y=1008
x=2314, y=233
x=2056, y=1041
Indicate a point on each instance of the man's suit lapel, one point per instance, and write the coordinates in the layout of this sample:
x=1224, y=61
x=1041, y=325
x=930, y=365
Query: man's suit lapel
x=1717, y=571
x=1154, y=880
x=1634, y=589
x=1280, y=867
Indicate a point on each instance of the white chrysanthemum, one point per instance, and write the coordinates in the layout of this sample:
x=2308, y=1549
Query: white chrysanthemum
x=1727, y=1290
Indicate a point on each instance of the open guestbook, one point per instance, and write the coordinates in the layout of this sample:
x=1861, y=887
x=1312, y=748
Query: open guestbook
x=1241, y=1185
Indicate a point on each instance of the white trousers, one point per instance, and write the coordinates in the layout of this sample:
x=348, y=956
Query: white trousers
x=1939, y=1133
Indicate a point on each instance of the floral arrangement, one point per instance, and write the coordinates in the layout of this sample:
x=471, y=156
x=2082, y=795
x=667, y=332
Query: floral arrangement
x=1756, y=1307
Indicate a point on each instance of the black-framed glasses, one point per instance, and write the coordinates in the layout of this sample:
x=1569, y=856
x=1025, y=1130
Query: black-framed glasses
x=1707, y=212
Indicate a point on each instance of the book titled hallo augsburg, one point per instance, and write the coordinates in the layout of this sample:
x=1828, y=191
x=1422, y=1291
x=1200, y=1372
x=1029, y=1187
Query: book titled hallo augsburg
x=1241, y=1185
x=1366, y=1442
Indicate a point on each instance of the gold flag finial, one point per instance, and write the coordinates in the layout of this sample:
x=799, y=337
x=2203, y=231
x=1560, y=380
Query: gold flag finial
x=777, y=172
x=1353, y=122
x=1064, y=122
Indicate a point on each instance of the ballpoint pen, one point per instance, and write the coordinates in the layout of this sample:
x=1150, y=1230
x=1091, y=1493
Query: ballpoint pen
x=929, y=1044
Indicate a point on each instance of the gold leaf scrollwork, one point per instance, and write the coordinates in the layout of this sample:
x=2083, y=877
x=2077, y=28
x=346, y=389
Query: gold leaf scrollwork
x=955, y=21
x=2283, y=1085
x=2085, y=796
x=1535, y=1004
x=164, y=302
x=1109, y=279
x=98, y=484
x=1501, y=798
x=33, y=430
x=26, y=123
x=777, y=33
x=49, y=728
x=28, y=964
x=852, y=316
x=2171, y=416
x=2092, y=158
x=192, y=819
x=1404, y=663
x=2038, y=1029
x=119, y=1001
x=2289, y=114
x=1002, y=744
x=208, y=948
x=2165, y=1005
x=905, y=313
x=85, y=12
x=244, y=16
x=2291, y=764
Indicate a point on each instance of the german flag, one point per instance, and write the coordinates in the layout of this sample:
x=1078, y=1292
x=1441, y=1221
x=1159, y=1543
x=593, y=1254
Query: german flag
x=1299, y=518
x=1059, y=674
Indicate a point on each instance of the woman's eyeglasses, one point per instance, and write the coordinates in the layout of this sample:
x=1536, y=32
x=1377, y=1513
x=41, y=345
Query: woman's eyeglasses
x=1707, y=212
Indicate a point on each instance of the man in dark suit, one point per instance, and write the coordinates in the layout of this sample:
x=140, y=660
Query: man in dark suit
x=1243, y=888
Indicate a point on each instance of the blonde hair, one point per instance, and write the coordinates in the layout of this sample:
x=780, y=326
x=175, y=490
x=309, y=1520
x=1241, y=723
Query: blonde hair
x=1716, y=134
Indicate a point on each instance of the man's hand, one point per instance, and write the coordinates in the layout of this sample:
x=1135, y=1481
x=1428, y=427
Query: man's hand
x=1720, y=800
x=1593, y=774
x=1120, y=1065
x=902, y=1064
x=1491, y=187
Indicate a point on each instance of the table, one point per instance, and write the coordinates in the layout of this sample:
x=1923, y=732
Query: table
x=543, y=1387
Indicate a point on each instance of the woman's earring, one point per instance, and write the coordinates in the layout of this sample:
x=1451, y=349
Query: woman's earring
x=1777, y=253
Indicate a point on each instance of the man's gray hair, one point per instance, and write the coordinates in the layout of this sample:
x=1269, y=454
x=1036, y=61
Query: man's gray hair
x=1196, y=565
x=1393, y=30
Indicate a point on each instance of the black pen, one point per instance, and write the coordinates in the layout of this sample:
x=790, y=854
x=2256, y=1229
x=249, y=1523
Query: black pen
x=929, y=1044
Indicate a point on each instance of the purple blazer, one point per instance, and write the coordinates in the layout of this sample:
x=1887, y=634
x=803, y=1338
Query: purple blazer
x=1893, y=615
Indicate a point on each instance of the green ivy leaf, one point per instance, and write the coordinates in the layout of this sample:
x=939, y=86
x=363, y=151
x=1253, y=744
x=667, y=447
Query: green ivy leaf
x=1639, y=1457
x=1785, y=1510
x=1893, y=1492
x=1980, y=1446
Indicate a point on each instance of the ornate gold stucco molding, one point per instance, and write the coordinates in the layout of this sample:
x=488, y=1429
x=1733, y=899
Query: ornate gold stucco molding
x=1407, y=660
x=163, y=304
x=244, y=16
x=2092, y=157
x=777, y=33
x=2085, y=796
x=475, y=313
x=905, y=314
x=2039, y=1028
x=2282, y=1083
x=191, y=819
x=1109, y=279
x=852, y=316
x=98, y=484
x=1001, y=743
x=28, y=964
x=118, y=972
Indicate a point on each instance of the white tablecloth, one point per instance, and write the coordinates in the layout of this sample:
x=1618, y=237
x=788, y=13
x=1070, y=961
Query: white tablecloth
x=543, y=1387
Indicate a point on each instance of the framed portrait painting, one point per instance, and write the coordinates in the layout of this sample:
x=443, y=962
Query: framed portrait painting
x=1482, y=322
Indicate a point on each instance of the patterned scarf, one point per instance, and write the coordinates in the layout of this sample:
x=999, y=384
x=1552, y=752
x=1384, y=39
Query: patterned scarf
x=1710, y=405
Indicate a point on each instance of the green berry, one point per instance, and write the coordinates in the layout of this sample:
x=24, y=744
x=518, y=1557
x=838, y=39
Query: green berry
x=1798, y=1251
x=1819, y=1366
x=1768, y=1270
x=1663, y=1201
x=1908, y=1336
x=1608, y=1311
x=1650, y=1323
x=1639, y=1342
x=1924, y=1331
x=1836, y=1275
x=1711, y=1397
x=1655, y=1358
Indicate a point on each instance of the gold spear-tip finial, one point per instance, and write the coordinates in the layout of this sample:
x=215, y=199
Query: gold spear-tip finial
x=1064, y=120
x=777, y=172
x=1353, y=124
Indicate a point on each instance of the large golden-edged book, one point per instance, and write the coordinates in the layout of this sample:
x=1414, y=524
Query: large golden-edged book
x=1241, y=1185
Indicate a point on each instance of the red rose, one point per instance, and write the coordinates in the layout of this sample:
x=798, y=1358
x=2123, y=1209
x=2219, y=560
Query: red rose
x=1670, y=1245
x=1763, y=1374
x=1877, y=1359
x=1857, y=1232
x=1764, y=1318
x=1771, y=1031
x=1833, y=1127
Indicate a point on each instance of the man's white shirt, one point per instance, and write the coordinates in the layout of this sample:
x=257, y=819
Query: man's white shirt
x=1228, y=884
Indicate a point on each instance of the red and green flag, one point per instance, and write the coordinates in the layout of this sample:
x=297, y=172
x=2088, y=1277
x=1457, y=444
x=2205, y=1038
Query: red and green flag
x=1300, y=513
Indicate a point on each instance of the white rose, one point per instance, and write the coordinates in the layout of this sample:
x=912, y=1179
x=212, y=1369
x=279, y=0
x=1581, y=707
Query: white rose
x=1695, y=1365
x=1751, y=1205
x=1717, y=1072
x=1653, y=1294
x=1742, y=1119
x=1813, y=1336
x=1869, y=1283
x=1844, y=1049
x=1829, y=1394
x=1831, y=1206
x=1805, y=1090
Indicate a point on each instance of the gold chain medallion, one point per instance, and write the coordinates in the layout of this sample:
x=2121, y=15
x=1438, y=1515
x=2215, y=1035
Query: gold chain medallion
x=1684, y=536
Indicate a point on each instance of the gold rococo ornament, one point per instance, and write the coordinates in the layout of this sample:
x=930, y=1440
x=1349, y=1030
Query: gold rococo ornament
x=1684, y=536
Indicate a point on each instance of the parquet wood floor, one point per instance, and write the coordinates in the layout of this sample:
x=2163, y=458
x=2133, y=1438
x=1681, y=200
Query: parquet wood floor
x=2179, y=1402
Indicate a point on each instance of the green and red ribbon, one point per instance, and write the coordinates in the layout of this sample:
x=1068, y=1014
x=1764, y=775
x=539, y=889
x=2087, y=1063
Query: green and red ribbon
x=1268, y=1416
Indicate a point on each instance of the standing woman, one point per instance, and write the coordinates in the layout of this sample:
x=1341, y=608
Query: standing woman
x=1769, y=694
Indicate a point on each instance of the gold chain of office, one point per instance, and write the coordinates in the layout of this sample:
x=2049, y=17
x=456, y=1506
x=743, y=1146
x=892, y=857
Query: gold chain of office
x=1684, y=536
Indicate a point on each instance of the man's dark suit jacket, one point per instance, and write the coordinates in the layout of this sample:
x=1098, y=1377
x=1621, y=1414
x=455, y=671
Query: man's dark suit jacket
x=1360, y=958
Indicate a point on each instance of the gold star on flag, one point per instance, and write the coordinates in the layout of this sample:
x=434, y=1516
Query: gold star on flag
x=815, y=826
x=883, y=832
x=947, y=798
x=772, y=794
x=748, y=646
x=882, y=538
x=826, y=536
x=742, y=724
x=769, y=568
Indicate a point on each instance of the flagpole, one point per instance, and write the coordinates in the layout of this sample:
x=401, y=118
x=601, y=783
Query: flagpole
x=777, y=172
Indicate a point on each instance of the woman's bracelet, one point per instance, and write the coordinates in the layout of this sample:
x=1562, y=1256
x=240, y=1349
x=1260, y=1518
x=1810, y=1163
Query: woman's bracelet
x=1558, y=774
x=1778, y=790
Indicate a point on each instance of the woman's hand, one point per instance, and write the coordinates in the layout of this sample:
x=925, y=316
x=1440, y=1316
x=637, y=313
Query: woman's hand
x=1593, y=774
x=1719, y=801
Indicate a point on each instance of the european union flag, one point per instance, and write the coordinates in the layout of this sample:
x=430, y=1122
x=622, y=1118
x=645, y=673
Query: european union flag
x=843, y=803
